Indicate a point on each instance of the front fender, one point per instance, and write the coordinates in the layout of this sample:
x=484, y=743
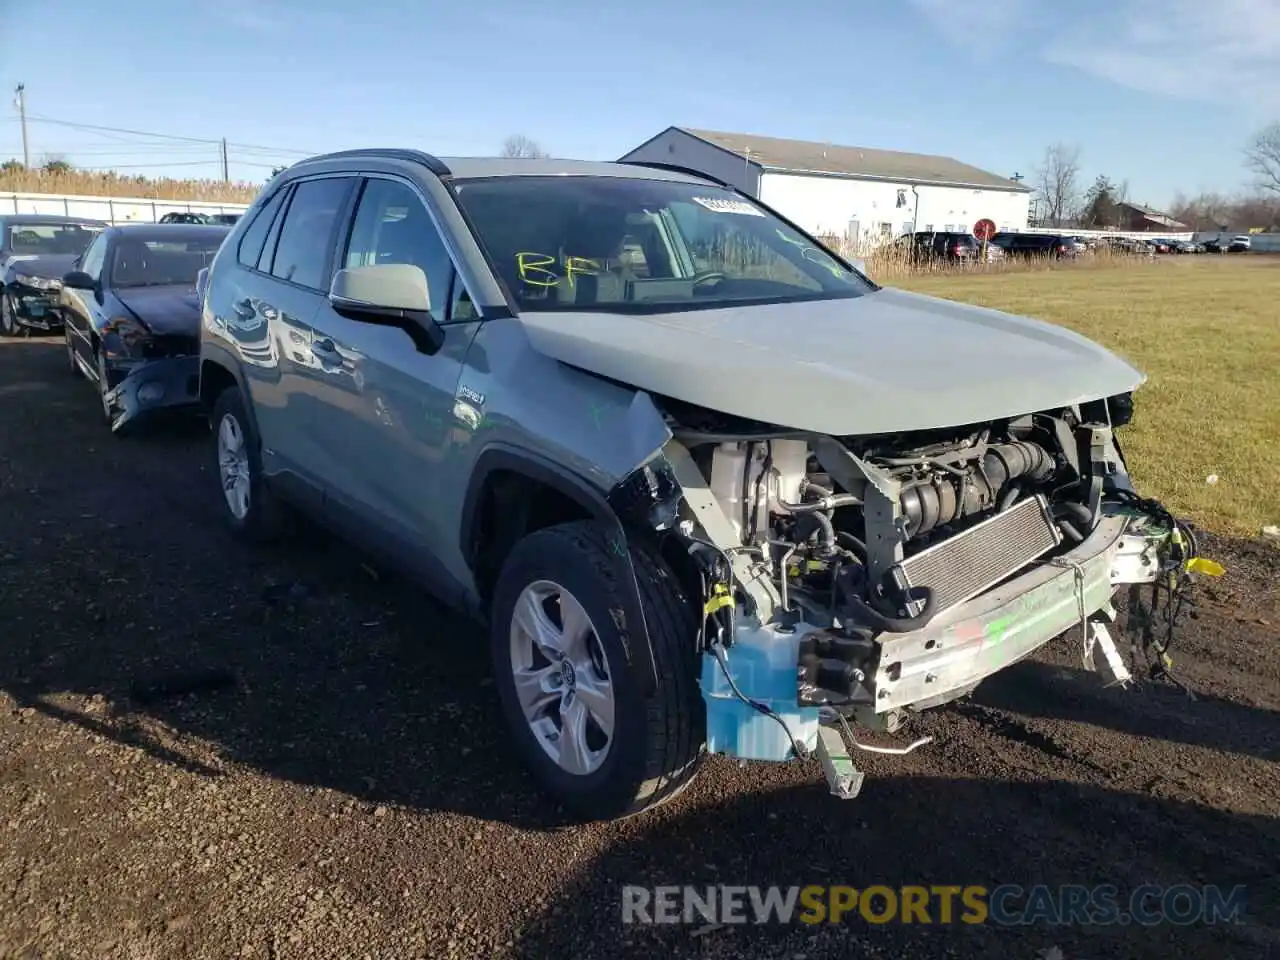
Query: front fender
x=631, y=623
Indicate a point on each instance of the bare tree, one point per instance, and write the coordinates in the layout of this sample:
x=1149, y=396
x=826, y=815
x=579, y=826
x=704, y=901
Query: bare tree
x=1263, y=156
x=1213, y=211
x=1058, y=183
x=518, y=145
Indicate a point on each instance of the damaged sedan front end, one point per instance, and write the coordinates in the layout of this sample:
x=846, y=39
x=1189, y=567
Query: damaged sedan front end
x=132, y=317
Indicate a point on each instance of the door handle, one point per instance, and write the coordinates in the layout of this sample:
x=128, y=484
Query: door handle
x=326, y=351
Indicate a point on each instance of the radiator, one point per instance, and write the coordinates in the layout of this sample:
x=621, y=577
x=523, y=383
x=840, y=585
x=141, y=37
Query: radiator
x=970, y=562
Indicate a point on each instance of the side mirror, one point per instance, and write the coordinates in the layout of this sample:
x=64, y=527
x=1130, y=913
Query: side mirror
x=79, y=280
x=391, y=295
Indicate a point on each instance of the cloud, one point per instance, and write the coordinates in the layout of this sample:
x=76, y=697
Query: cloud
x=1190, y=49
x=1214, y=50
x=248, y=15
x=976, y=28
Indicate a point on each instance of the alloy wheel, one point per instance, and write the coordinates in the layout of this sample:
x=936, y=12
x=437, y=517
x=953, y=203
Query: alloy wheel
x=562, y=677
x=233, y=466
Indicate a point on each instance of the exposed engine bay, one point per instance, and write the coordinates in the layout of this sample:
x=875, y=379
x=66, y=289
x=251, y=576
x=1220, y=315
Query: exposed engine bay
x=848, y=580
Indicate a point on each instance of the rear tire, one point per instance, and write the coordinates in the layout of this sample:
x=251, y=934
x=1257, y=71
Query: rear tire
x=655, y=745
x=248, y=506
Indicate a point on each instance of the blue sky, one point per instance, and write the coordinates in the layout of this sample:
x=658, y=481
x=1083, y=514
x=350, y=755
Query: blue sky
x=1162, y=93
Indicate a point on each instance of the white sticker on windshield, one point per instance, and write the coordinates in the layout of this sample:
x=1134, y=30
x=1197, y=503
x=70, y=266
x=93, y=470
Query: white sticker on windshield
x=720, y=205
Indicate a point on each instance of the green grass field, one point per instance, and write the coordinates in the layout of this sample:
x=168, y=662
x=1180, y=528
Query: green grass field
x=1206, y=331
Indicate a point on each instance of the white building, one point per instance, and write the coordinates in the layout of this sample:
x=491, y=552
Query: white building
x=859, y=196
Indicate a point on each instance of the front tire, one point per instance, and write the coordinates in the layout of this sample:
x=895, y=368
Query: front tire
x=72, y=367
x=248, y=506
x=9, y=326
x=578, y=718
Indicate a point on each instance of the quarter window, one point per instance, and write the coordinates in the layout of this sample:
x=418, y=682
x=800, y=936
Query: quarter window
x=392, y=226
x=256, y=235
x=306, y=236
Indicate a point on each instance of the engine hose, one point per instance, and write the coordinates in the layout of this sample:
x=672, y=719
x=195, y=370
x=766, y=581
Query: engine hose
x=824, y=504
x=1077, y=510
x=937, y=501
x=1010, y=495
x=1070, y=530
x=874, y=618
x=826, y=532
x=848, y=540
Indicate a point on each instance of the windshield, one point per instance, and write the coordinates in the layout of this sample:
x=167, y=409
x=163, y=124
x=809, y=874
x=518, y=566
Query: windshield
x=51, y=238
x=155, y=263
x=618, y=244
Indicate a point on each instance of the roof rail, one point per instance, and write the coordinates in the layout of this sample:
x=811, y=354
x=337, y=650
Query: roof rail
x=675, y=168
x=391, y=153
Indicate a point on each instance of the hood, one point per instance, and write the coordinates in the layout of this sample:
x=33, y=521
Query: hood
x=884, y=362
x=53, y=265
x=168, y=310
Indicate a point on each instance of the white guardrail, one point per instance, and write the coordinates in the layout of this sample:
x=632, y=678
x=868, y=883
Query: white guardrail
x=111, y=209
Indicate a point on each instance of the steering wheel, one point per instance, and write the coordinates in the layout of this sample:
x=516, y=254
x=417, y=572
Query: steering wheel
x=709, y=277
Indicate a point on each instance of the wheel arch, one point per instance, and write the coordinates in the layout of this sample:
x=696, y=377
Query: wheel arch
x=218, y=374
x=543, y=492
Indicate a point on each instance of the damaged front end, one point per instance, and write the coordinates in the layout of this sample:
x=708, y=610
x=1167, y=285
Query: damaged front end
x=847, y=581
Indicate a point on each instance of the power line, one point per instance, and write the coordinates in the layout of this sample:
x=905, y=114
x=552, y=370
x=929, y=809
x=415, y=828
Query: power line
x=217, y=142
x=136, y=133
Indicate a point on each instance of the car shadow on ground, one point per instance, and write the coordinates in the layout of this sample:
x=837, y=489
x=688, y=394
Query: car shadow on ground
x=928, y=831
x=132, y=613
x=1049, y=691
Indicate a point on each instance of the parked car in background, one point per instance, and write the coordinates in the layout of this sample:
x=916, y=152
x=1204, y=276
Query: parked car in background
x=926, y=245
x=184, y=217
x=1129, y=246
x=1182, y=246
x=226, y=219
x=1047, y=245
x=1215, y=245
x=131, y=317
x=1160, y=245
x=35, y=251
x=1239, y=244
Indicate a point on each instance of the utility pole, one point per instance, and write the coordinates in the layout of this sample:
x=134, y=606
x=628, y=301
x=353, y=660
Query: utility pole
x=20, y=101
x=226, y=173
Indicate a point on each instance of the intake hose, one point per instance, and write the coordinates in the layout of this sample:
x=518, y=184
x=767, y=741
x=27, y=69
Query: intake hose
x=930, y=503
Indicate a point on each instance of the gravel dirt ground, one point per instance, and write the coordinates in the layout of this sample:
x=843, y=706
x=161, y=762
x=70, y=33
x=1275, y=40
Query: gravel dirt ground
x=350, y=794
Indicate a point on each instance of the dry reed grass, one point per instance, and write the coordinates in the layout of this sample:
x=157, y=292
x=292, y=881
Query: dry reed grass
x=107, y=184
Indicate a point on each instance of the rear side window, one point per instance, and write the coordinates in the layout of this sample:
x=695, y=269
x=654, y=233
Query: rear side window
x=306, y=236
x=256, y=235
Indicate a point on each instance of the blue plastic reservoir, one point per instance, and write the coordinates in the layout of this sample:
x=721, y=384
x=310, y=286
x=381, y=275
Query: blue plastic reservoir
x=763, y=665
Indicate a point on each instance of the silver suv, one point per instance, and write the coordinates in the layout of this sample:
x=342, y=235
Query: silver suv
x=711, y=488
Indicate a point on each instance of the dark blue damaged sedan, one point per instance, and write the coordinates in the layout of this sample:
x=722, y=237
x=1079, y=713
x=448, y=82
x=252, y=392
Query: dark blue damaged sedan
x=131, y=316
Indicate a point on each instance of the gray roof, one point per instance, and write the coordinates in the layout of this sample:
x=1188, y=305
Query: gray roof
x=463, y=167
x=796, y=156
x=1152, y=214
